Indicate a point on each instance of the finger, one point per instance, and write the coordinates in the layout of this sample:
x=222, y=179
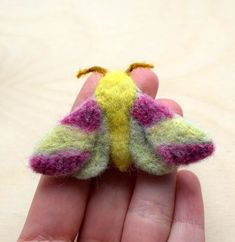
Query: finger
x=172, y=105
x=56, y=210
x=87, y=89
x=146, y=80
x=107, y=207
x=58, y=206
x=111, y=193
x=188, y=222
x=151, y=209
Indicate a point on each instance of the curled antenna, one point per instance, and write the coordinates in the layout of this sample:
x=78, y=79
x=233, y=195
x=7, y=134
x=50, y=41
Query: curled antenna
x=98, y=69
x=138, y=64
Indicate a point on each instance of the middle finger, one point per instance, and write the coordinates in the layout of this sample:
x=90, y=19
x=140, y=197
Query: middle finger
x=110, y=197
x=151, y=208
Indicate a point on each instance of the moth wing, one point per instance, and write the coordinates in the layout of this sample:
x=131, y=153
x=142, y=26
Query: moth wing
x=161, y=140
x=100, y=156
x=70, y=145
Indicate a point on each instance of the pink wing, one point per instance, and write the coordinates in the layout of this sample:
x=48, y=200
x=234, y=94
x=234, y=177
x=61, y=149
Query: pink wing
x=169, y=140
x=69, y=146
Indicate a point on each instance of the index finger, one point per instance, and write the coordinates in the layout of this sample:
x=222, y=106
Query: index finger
x=58, y=205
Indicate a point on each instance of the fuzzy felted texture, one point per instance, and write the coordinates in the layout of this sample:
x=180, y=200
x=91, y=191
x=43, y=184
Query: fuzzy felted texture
x=147, y=112
x=143, y=153
x=119, y=124
x=59, y=163
x=87, y=117
x=115, y=95
x=184, y=153
x=100, y=155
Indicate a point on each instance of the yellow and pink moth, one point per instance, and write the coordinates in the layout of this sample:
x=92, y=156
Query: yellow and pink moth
x=121, y=126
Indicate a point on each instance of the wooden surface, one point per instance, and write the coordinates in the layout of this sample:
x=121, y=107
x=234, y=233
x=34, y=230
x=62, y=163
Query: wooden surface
x=43, y=43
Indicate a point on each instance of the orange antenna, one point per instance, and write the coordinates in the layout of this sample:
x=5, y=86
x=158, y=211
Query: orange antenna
x=138, y=64
x=92, y=69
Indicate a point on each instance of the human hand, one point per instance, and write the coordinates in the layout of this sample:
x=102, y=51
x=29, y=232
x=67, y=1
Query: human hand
x=118, y=206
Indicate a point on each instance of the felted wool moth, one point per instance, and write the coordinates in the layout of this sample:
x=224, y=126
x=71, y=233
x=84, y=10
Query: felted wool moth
x=121, y=125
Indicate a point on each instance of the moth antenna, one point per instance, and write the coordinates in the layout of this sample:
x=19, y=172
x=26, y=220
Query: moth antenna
x=98, y=69
x=138, y=64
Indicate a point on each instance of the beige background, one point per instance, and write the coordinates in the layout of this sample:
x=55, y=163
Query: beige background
x=43, y=43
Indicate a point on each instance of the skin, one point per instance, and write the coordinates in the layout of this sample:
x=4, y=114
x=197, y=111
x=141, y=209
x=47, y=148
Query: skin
x=118, y=207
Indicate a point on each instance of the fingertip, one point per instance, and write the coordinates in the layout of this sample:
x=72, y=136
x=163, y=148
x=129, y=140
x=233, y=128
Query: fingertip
x=87, y=89
x=172, y=105
x=146, y=80
x=189, y=180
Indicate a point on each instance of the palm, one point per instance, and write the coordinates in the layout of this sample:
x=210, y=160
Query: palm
x=118, y=206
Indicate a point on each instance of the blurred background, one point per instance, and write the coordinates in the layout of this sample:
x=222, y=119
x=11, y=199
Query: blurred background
x=43, y=44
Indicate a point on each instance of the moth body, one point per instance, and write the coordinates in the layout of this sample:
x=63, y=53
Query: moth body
x=115, y=95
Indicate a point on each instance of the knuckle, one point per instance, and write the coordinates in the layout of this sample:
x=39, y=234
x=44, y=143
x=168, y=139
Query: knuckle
x=153, y=211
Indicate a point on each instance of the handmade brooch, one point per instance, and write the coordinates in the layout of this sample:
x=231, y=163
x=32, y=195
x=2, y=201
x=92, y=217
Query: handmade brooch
x=121, y=125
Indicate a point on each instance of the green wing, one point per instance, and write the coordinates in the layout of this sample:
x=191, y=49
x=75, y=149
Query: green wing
x=100, y=156
x=70, y=149
x=160, y=140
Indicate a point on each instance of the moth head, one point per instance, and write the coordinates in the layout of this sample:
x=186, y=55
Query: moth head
x=103, y=71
